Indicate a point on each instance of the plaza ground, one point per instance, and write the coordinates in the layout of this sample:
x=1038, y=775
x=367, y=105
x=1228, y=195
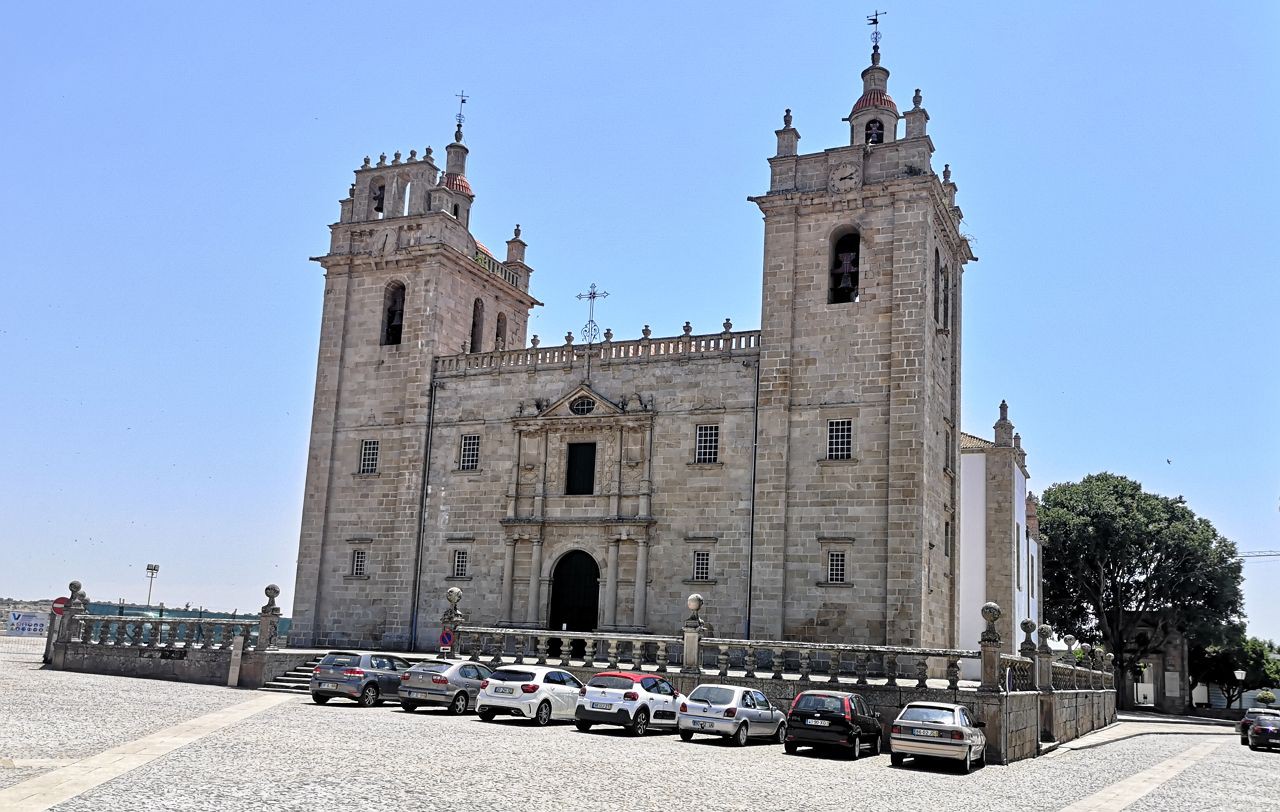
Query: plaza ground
x=73, y=741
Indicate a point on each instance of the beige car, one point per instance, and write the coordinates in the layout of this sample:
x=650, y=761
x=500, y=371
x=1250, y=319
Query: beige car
x=938, y=730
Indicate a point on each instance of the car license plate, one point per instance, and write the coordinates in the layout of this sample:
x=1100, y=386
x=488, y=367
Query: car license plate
x=501, y=690
x=702, y=725
x=328, y=685
x=601, y=706
x=408, y=692
x=919, y=731
x=817, y=722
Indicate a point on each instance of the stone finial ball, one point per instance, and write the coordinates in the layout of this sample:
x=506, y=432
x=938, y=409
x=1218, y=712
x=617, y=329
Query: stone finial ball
x=1046, y=631
x=1086, y=648
x=272, y=591
x=1027, y=625
x=695, y=602
x=453, y=595
x=991, y=611
x=75, y=587
x=1110, y=658
x=1070, y=640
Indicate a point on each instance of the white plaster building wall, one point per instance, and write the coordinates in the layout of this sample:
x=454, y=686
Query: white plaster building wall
x=1020, y=605
x=973, y=554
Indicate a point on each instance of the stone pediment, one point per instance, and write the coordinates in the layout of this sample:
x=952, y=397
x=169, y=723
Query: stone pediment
x=581, y=401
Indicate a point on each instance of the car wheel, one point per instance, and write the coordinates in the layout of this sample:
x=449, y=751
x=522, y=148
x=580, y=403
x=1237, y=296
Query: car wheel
x=781, y=735
x=459, y=704
x=896, y=759
x=856, y=749
x=368, y=696
x=686, y=735
x=319, y=700
x=740, y=736
x=542, y=717
x=408, y=706
x=983, y=759
x=875, y=746
x=486, y=715
x=1254, y=747
x=789, y=748
x=966, y=766
x=1244, y=739
x=639, y=723
x=583, y=726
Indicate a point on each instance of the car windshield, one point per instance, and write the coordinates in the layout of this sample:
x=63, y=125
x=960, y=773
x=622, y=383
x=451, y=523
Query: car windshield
x=820, y=702
x=511, y=675
x=1263, y=714
x=712, y=694
x=920, y=713
x=621, y=683
x=432, y=668
x=341, y=660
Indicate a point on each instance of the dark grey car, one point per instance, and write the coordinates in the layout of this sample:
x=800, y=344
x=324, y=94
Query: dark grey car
x=367, y=678
x=452, y=683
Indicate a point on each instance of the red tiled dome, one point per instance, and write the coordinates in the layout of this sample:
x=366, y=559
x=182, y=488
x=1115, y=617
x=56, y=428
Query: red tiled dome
x=457, y=183
x=875, y=98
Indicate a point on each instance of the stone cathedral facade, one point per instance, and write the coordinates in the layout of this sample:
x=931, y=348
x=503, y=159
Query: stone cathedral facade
x=802, y=477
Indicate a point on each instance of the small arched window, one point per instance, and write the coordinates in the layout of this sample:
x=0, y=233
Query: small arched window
x=408, y=192
x=455, y=209
x=477, y=327
x=946, y=298
x=875, y=131
x=844, y=270
x=937, y=288
x=378, y=199
x=393, y=314
x=500, y=335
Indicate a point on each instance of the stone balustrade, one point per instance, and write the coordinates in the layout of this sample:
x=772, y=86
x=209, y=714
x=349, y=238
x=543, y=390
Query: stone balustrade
x=178, y=633
x=1017, y=673
x=639, y=652
x=681, y=347
x=833, y=661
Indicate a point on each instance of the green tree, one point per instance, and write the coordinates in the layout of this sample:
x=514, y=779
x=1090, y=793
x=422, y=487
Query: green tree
x=1267, y=697
x=1217, y=664
x=1128, y=568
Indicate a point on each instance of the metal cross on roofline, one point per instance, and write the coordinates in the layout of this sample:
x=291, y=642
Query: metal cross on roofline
x=873, y=19
x=462, y=99
x=590, y=330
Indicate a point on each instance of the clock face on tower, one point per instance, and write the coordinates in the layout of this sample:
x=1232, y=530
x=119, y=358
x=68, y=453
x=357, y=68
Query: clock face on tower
x=845, y=176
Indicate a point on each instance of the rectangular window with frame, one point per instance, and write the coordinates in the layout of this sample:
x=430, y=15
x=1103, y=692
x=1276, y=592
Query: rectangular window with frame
x=368, y=456
x=706, y=447
x=840, y=439
x=836, y=572
x=1031, y=575
x=469, y=453
x=1017, y=553
x=580, y=469
x=461, y=558
x=359, y=562
x=702, y=565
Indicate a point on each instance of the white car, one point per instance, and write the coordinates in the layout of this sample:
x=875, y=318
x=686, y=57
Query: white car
x=733, y=712
x=938, y=730
x=528, y=691
x=633, y=699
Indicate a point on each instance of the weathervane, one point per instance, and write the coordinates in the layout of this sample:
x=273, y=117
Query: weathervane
x=590, y=330
x=462, y=99
x=874, y=21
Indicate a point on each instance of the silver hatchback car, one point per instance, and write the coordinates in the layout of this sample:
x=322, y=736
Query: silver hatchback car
x=452, y=683
x=938, y=730
x=367, y=678
x=733, y=712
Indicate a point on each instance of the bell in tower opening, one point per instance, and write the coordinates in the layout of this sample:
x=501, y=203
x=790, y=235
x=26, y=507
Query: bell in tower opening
x=844, y=271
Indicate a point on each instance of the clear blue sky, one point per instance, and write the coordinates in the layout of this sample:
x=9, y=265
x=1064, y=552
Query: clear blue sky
x=171, y=168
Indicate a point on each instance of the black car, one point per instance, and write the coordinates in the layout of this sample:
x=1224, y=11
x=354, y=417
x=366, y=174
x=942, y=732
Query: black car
x=832, y=719
x=1264, y=732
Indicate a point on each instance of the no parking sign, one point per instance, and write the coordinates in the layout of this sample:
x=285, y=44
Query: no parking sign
x=446, y=639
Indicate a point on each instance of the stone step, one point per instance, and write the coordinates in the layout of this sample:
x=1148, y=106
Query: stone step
x=286, y=687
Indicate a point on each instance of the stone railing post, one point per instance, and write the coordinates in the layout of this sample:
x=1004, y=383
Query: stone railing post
x=1044, y=672
x=989, y=643
x=693, y=629
x=1028, y=649
x=268, y=620
x=69, y=630
x=1087, y=651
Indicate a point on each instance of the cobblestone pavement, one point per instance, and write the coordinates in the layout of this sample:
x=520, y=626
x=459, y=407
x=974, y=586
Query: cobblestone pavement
x=297, y=755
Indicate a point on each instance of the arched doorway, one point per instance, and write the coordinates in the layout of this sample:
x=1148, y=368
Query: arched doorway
x=575, y=598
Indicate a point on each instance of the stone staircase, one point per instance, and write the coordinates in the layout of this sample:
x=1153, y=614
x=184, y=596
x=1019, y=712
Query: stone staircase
x=297, y=681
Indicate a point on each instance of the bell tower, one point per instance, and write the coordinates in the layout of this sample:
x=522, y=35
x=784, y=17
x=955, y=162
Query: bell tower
x=859, y=384
x=405, y=282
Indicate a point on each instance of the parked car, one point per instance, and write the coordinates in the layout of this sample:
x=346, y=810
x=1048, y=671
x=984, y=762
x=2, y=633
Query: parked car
x=369, y=679
x=634, y=700
x=452, y=683
x=730, y=711
x=832, y=719
x=528, y=691
x=938, y=730
x=1250, y=716
x=1265, y=731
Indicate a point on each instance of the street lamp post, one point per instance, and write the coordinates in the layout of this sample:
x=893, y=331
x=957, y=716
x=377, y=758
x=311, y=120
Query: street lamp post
x=1240, y=679
x=152, y=571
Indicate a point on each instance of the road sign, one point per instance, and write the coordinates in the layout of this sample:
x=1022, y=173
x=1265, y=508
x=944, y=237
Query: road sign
x=58, y=603
x=446, y=637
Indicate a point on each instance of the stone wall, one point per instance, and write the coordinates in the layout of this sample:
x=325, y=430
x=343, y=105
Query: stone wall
x=210, y=667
